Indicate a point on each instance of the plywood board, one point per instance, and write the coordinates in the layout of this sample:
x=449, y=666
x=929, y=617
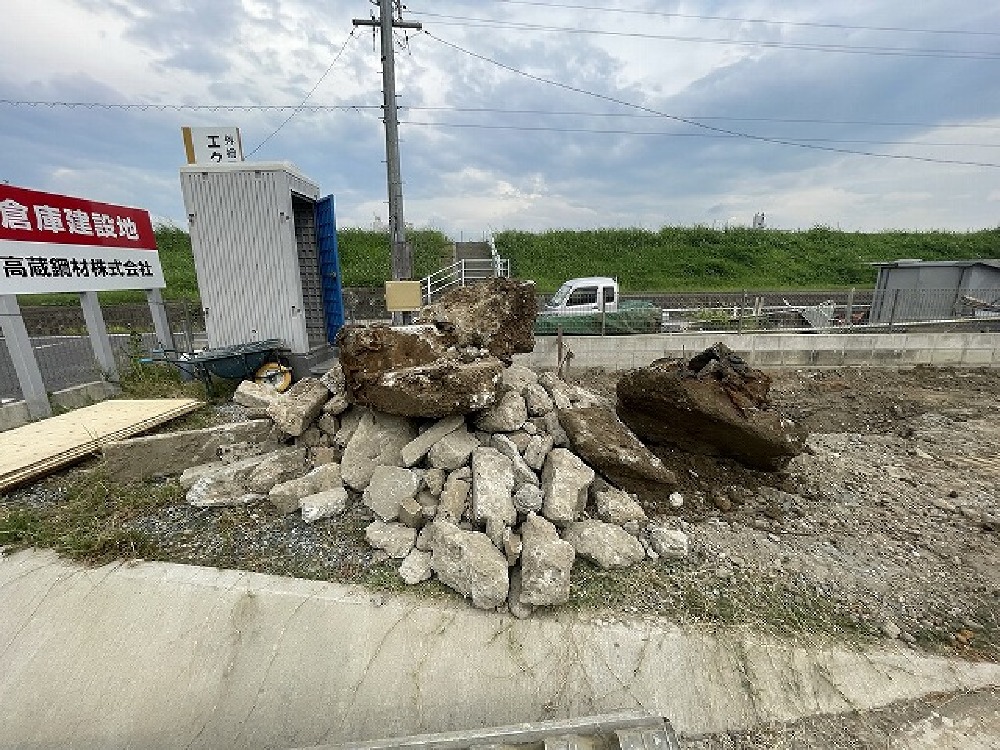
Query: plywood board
x=42, y=446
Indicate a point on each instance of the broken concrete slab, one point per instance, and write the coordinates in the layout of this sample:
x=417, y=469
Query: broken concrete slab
x=546, y=562
x=453, y=450
x=537, y=400
x=601, y=439
x=295, y=409
x=389, y=487
x=417, y=448
x=523, y=474
x=454, y=499
x=467, y=562
x=378, y=440
x=255, y=397
x=565, y=483
x=498, y=315
x=273, y=468
x=286, y=496
x=506, y=416
x=323, y=504
x=414, y=371
x=606, y=544
x=416, y=567
x=394, y=539
x=713, y=404
x=618, y=507
x=492, y=488
x=170, y=453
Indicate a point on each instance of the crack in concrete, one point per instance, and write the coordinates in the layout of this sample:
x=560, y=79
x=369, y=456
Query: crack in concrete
x=267, y=670
x=31, y=616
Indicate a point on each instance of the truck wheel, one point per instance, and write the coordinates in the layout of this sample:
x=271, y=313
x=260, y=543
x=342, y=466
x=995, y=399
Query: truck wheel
x=275, y=375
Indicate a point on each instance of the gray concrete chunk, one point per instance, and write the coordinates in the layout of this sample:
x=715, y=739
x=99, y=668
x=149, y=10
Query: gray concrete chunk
x=390, y=486
x=417, y=448
x=565, y=482
x=606, y=544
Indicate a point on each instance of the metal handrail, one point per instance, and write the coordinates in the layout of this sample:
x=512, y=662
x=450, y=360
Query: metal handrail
x=460, y=273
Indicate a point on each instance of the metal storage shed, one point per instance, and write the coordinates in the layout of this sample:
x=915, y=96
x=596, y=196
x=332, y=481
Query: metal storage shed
x=917, y=290
x=266, y=256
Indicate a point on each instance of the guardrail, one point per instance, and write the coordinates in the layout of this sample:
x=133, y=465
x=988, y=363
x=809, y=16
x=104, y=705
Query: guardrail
x=462, y=273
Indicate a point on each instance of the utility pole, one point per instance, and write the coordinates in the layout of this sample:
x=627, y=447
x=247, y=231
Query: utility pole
x=402, y=257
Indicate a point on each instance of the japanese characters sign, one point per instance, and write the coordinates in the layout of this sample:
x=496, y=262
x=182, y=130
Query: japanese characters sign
x=212, y=145
x=56, y=243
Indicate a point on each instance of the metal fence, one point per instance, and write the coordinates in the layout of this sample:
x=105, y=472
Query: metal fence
x=66, y=358
x=844, y=312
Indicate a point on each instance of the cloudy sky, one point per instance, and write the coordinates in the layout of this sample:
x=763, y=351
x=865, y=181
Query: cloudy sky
x=528, y=114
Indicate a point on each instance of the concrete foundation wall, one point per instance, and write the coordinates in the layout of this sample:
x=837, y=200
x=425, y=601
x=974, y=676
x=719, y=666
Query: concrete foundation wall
x=777, y=350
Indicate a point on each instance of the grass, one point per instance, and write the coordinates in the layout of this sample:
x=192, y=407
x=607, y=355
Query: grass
x=702, y=258
x=672, y=258
x=88, y=523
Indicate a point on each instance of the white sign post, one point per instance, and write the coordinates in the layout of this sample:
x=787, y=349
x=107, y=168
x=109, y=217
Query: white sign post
x=58, y=243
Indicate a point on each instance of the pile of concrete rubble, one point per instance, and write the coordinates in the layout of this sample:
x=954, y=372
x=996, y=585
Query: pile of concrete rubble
x=484, y=473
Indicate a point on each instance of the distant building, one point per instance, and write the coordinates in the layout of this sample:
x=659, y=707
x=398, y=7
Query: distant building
x=917, y=290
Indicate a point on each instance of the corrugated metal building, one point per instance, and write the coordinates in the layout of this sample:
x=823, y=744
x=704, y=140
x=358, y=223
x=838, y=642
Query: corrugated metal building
x=258, y=255
x=917, y=290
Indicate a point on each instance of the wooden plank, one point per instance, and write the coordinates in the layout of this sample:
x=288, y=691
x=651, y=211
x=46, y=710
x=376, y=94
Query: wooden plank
x=40, y=447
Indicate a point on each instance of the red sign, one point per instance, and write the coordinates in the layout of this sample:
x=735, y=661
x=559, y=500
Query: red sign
x=34, y=216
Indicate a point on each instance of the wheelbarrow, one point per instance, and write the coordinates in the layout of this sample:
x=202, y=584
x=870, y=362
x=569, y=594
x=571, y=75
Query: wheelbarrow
x=261, y=361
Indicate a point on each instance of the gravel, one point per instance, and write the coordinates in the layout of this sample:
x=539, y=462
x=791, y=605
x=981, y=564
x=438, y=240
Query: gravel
x=886, y=528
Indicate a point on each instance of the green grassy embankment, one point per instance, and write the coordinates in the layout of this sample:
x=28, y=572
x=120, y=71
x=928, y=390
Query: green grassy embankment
x=670, y=259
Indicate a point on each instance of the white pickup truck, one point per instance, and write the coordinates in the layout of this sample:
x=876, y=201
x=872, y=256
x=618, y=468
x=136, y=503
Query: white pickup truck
x=591, y=305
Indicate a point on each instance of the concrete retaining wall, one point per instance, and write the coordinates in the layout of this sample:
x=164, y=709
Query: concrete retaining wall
x=776, y=350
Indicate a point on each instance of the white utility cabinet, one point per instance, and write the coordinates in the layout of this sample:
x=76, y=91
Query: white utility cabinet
x=253, y=233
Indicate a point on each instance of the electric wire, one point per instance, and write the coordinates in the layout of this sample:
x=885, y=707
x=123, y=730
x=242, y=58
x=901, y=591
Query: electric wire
x=695, y=123
x=152, y=106
x=666, y=134
x=938, y=54
x=768, y=21
x=298, y=109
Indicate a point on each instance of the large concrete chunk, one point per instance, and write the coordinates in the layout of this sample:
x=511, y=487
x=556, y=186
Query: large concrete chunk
x=333, y=379
x=255, y=397
x=323, y=504
x=414, y=371
x=565, y=482
x=546, y=561
x=606, y=544
x=523, y=474
x=498, y=316
x=378, y=440
x=467, y=562
x=417, y=448
x=453, y=450
x=454, y=499
x=389, y=488
x=172, y=452
x=606, y=444
x=394, y=539
x=508, y=415
x=618, y=507
x=286, y=495
x=295, y=409
x=274, y=468
x=492, y=488
x=714, y=404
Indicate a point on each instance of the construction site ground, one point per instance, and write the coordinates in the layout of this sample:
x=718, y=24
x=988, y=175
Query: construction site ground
x=884, y=533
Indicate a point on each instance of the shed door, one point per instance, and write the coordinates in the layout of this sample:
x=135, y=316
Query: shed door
x=329, y=266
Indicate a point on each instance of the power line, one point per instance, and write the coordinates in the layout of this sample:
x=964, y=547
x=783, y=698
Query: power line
x=694, y=123
x=306, y=98
x=937, y=54
x=150, y=106
x=667, y=134
x=768, y=21
x=364, y=108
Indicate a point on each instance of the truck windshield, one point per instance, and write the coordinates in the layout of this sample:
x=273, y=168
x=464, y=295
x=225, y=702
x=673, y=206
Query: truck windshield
x=560, y=296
